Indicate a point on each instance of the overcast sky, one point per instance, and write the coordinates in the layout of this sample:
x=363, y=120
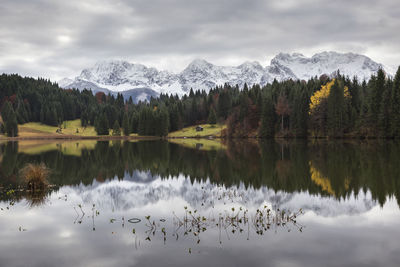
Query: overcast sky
x=56, y=39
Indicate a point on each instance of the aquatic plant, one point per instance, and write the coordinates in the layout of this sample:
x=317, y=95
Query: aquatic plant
x=35, y=176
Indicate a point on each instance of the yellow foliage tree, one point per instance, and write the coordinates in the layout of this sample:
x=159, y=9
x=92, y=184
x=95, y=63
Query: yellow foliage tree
x=323, y=94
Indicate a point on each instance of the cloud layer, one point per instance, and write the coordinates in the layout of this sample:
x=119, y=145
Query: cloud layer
x=54, y=39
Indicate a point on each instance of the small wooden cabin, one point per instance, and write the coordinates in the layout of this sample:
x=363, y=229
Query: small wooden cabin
x=199, y=128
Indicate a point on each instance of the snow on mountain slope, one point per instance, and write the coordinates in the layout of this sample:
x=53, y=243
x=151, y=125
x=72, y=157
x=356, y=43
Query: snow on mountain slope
x=327, y=63
x=120, y=76
x=202, y=75
x=65, y=82
x=117, y=75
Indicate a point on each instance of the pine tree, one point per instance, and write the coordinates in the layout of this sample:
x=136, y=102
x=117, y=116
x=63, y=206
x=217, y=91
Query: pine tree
x=354, y=90
x=84, y=119
x=10, y=120
x=377, y=87
x=101, y=125
x=267, y=127
x=224, y=104
x=301, y=115
x=384, y=122
x=134, y=120
x=125, y=125
x=116, y=129
x=244, y=105
x=212, y=117
x=395, y=122
x=175, y=118
x=336, y=108
x=163, y=122
x=143, y=120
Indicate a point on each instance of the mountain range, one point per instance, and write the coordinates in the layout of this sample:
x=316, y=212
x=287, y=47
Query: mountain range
x=141, y=82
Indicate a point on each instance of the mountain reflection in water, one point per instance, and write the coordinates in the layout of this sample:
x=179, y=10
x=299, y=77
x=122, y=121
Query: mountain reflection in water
x=154, y=203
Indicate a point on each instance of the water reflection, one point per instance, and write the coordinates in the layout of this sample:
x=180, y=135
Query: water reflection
x=156, y=203
x=334, y=169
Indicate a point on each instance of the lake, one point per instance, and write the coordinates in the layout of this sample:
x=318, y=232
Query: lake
x=202, y=203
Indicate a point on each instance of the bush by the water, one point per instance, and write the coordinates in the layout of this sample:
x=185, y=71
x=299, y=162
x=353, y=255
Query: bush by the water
x=35, y=176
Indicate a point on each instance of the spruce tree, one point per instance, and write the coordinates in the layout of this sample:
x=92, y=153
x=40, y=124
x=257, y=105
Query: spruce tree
x=395, y=122
x=125, y=125
x=376, y=87
x=336, y=108
x=116, y=129
x=134, y=120
x=212, y=117
x=10, y=120
x=301, y=115
x=384, y=118
x=163, y=124
x=267, y=127
x=101, y=125
x=224, y=104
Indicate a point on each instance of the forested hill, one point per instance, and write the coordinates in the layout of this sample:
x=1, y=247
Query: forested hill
x=339, y=107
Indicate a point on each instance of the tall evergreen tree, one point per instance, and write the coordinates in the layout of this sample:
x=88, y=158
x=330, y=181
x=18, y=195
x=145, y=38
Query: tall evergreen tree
x=395, y=125
x=134, y=120
x=116, y=129
x=224, y=104
x=300, y=116
x=163, y=122
x=212, y=117
x=377, y=87
x=384, y=122
x=267, y=126
x=101, y=124
x=125, y=125
x=336, y=109
x=10, y=120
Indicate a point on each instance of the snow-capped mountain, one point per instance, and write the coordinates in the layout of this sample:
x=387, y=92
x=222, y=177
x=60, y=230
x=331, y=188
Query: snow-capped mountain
x=112, y=76
x=303, y=68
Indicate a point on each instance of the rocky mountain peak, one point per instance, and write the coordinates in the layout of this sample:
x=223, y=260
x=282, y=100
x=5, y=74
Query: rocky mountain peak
x=121, y=76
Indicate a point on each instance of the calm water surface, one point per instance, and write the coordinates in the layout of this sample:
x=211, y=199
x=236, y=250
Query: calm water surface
x=154, y=203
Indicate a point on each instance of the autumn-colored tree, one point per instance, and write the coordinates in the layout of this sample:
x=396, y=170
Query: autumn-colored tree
x=319, y=107
x=100, y=97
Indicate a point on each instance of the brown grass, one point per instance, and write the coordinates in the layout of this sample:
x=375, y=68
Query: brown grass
x=35, y=176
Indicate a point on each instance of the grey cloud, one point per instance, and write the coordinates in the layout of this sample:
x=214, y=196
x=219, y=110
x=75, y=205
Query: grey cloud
x=54, y=39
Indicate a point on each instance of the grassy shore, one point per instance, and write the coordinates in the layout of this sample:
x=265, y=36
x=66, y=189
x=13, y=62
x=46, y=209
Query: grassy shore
x=208, y=130
x=39, y=138
x=74, y=130
x=69, y=130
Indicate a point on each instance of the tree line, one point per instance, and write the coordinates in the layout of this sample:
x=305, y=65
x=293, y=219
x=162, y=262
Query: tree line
x=323, y=106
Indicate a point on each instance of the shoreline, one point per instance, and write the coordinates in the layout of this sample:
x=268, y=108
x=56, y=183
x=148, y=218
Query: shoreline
x=72, y=137
x=209, y=137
